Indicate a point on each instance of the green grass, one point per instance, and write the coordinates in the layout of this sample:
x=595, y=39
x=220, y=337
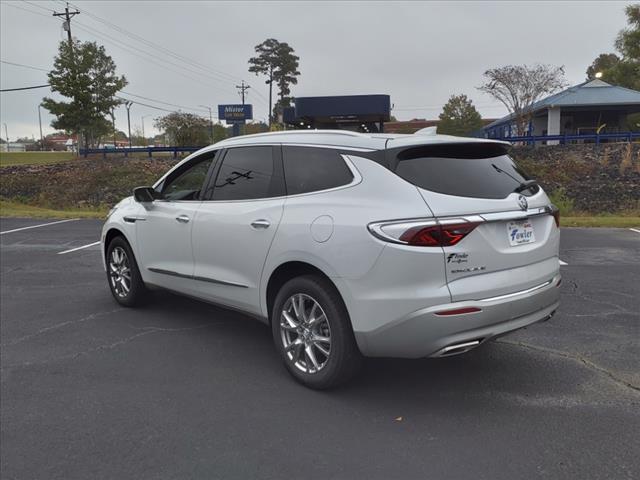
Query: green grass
x=14, y=209
x=9, y=159
x=611, y=221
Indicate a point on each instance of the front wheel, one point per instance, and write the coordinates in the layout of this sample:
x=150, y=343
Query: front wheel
x=313, y=334
x=123, y=275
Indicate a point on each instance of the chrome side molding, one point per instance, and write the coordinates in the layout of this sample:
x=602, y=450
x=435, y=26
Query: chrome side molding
x=195, y=277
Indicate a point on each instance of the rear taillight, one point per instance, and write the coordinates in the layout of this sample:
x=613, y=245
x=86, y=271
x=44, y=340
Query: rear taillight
x=437, y=235
x=555, y=211
x=424, y=233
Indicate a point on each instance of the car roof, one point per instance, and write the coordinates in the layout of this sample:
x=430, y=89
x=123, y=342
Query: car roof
x=347, y=139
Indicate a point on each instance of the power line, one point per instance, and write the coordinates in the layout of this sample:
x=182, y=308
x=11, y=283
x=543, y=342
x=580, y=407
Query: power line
x=38, y=6
x=105, y=37
x=24, y=88
x=24, y=66
x=224, y=76
x=143, y=104
x=129, y=48
x=123, y=92
x=161, y=102
x=25, y=9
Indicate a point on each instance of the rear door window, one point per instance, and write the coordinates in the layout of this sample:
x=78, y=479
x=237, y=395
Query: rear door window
x=248, y=173
x=465, y=170
x=311, y=169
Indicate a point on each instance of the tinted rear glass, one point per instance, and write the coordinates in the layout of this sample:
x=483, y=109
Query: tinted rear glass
x=462, y=170
x=309, y=169
x=247, y=173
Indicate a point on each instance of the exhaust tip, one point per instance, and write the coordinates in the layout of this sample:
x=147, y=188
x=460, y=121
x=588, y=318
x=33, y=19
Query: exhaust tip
x=457, y=348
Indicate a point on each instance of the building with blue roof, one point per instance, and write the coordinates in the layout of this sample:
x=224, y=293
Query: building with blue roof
x=585, y=109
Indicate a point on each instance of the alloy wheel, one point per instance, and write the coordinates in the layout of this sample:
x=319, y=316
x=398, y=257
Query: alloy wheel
x=120, y=272
x=305, y=333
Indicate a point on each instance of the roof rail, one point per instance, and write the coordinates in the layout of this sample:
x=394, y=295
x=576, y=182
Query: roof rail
x=303, y=132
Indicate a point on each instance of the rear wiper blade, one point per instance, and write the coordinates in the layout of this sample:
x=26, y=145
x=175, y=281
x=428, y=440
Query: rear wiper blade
x=521, y=185
x=526, y=185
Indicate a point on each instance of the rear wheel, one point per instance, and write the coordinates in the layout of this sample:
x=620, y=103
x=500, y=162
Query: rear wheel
x=123, y=275
x=313, y=334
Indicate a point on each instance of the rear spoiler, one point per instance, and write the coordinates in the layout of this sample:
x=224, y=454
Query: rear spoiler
x=458, y=149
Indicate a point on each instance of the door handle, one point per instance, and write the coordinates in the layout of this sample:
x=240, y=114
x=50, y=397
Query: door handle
x=182, y=219
x=262, y=223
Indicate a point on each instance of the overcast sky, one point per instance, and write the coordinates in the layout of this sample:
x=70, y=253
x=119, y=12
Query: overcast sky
x=419, y=53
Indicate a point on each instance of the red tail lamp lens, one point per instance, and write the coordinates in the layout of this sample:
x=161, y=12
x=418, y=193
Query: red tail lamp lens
x=437, y=235
x=422, y=236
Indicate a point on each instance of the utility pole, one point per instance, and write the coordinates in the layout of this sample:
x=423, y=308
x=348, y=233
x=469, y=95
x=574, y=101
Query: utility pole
x=210, y=121
x=243, y=88
x=40, y=122
x=270, y=83
x=6, y=134
x=67, y=24
x=128, y=105
x=113, y=121
x=143, y=135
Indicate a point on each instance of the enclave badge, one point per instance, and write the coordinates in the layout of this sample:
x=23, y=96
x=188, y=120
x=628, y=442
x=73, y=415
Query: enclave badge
x=522, y=201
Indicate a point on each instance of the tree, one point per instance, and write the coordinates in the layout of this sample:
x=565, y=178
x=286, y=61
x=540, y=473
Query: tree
x=86, y=75
x=626, y=70
x=184, y=129
x=219, y=132
x=278, y=62
x=604, y=62
x=256, y=127
x=518, y=87
x=459, y=117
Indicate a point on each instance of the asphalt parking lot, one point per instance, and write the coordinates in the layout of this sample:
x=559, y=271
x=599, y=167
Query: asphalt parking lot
x=182, y=389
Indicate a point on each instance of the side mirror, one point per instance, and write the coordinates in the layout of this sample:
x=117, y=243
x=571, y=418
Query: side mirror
x=144, y=194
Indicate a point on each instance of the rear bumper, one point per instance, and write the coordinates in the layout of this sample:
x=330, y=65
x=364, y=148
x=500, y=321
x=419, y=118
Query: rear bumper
x=424, y=333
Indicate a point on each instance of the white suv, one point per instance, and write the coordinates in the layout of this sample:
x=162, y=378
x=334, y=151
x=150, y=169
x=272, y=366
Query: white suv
x=347, y=244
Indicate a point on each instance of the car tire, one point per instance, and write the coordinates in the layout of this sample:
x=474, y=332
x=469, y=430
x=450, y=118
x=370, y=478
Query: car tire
x=316, y=300
x=123, y=275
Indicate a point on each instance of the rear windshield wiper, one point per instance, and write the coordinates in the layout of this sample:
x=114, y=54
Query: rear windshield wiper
x=521, y=185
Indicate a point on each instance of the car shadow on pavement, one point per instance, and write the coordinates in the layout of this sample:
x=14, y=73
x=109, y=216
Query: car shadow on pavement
x=496, y=371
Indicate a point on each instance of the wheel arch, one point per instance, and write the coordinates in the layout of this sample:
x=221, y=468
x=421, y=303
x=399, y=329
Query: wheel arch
x=285, y=272
x=112, y=233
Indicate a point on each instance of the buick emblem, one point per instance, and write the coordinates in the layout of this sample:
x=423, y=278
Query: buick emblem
x=522, y=201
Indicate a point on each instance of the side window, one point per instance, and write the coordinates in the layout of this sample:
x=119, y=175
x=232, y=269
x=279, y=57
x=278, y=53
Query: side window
x=309, y=169
x=247, y=173
x=186, y=183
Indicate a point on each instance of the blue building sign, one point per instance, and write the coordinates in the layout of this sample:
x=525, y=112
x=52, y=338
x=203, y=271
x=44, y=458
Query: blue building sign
x=235, y=113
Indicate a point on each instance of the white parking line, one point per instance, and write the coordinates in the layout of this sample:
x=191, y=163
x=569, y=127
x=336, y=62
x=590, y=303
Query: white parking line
x=38, y=226
x=79, y=248
x=563, y=263
x=635, y=230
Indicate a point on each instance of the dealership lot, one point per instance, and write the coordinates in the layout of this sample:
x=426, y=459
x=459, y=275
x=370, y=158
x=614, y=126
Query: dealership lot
x=182, y=389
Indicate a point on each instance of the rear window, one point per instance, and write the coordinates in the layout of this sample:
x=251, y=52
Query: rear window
x=464, y=170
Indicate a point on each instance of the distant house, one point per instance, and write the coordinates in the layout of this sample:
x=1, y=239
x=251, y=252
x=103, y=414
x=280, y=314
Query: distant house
x=588, y=108
x=59, y=142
